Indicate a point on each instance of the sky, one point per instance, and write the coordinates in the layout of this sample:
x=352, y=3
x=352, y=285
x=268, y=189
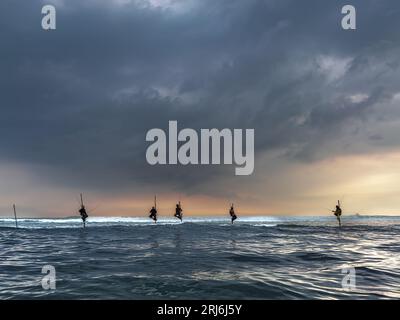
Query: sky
x=76, y=104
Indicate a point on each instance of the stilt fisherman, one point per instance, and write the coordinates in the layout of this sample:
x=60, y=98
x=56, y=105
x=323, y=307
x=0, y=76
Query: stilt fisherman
x=83, y=213
x=232, y=213
x=153, y=211
x=178, y=211
x=338, y=213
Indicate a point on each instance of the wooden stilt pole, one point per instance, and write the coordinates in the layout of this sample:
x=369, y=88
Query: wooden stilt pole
x=15, y=216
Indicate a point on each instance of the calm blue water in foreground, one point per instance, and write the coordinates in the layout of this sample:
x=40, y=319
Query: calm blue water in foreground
x=202, y=258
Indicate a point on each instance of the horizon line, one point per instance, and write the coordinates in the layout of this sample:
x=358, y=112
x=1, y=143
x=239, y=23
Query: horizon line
x=207, y=216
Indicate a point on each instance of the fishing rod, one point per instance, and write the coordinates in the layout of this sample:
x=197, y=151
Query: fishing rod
x=155, y=207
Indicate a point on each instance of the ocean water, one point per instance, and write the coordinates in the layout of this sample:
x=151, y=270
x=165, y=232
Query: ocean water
x=201, y=258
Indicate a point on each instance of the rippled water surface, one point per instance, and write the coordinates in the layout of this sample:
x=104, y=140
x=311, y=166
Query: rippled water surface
x=202, y=258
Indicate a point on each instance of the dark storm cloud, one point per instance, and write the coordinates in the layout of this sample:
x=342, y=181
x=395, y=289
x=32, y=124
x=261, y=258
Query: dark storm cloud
x=79, y=100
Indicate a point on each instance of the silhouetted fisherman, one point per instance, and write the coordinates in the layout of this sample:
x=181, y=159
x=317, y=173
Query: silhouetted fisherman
x=178, y=211
x=83, y=213
x=338, y=213
x=153, y=214
x=232, y=213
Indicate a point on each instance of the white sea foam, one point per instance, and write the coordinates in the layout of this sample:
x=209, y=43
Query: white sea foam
x=259, y=221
